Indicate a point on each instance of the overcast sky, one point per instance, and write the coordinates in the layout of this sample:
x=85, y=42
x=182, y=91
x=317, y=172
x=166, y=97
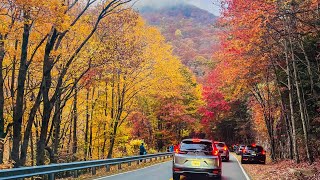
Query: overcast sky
x=209, y=5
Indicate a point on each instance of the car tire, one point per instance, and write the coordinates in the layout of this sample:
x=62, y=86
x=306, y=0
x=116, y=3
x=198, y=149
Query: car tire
x=176, y=176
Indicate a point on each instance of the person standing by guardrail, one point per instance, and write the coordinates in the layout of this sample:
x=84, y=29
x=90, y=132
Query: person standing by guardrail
x=171, y=148
x=142, y=149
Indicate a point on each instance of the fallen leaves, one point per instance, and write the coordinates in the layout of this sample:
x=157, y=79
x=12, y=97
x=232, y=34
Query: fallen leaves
x=283, y=170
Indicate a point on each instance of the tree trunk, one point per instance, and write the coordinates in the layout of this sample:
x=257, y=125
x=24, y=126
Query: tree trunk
x=14, y=62
x=90, y=140
x=86, y=126
x=2, y=132
x=112, y=116
x=284, y=113
x=18, y=108
x=293, y=122
x=28, y=130
x=75, y=121
x=91, y=124
x=69, y=145
x=47, y=103
x=57, y=126
x=104, y=140
x=31, y=149
x=291, y=28
x=301, y=107
x=112, y=140
x=105, y=124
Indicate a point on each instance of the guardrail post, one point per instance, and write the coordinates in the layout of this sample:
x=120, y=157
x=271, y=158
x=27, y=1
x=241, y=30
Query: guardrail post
x=51, y=176
x=75, y=174
x=93, y=171
x=129, y=163
x=107, y=168
x=145, y=160
x=119, y=166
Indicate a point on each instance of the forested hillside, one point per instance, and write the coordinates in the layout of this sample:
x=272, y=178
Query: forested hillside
x=191, y=32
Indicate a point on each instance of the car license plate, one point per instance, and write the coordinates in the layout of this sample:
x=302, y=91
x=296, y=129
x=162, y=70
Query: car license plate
x=254, y=153
x=195, y=163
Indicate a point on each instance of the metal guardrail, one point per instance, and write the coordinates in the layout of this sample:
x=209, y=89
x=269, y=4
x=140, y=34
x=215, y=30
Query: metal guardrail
x=52, y=169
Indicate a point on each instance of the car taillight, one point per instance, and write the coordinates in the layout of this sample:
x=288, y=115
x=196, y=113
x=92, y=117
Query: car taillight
x=243, y=150
x=263, y=152
x=177, y=151
x=215, y=172
x=215, y=152
x=182, y=152
x=176, y=169
x=225, y=148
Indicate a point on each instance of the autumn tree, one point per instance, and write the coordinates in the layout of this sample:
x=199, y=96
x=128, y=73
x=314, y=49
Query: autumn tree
x=264, y=54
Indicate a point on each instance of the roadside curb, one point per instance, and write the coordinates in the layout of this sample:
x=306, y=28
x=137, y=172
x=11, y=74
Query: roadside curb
x=243, y=171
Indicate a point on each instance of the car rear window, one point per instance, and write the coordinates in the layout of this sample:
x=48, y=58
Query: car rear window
x=196, y=146
x=219, y=144
x=257, y=148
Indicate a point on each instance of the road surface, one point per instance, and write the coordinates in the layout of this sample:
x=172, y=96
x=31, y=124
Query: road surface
x=230, y=171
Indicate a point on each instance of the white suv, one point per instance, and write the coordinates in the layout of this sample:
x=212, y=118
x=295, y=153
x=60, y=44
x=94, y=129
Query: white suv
x=196, y=156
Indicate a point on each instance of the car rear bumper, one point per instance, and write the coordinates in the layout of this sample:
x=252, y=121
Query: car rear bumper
x=253, y=158
x=215, y=172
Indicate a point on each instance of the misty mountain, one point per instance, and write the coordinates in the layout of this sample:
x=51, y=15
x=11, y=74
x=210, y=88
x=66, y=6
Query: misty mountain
x=179, y=11
x=189, y=29
x=212, y=6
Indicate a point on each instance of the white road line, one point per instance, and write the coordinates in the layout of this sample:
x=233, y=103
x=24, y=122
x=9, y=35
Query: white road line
x=131, y=171
x=244, y=172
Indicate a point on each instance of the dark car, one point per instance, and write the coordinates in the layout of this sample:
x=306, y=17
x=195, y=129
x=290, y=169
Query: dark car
x=239, y=149
x=196, y=156
x=223, y=150
x=234, y=148
x=253, y=154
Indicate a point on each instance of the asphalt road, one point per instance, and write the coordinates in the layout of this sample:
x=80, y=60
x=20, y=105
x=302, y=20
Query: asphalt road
x=230, y=171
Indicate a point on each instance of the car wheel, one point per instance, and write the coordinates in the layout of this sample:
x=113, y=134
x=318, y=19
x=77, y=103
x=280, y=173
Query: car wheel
x=227, y=158
x=176, y=176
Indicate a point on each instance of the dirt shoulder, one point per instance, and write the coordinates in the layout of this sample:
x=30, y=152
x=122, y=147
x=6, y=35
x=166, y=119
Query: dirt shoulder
x=282, y=170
